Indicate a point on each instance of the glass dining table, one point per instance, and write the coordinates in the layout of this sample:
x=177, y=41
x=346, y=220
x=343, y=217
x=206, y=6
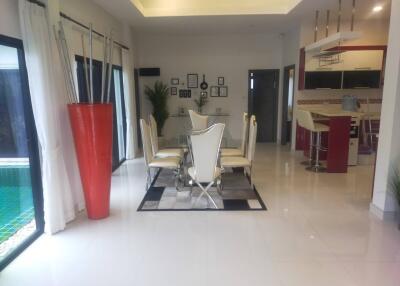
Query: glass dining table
x=183, y=127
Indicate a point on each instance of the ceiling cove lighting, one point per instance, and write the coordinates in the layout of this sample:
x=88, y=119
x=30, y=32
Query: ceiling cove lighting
x=176, y=8
x=377, y=8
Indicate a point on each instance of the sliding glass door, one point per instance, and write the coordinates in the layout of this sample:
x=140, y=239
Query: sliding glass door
x=21, y=204
x=120, y=117
x=116, y=98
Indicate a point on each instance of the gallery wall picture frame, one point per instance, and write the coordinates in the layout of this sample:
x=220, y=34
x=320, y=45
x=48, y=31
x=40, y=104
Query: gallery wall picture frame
x=185, y=93
x=174, y=90
x=221, y=80
x=174, y=81
x=223, y=91
x=204, y=94
x=214, y=91
x=192, y=80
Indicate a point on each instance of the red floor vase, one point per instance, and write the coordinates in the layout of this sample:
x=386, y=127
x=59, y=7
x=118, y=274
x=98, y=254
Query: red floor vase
x=92, y=128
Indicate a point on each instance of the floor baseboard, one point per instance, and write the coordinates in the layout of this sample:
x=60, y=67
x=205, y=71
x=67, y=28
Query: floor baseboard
x=382, y=215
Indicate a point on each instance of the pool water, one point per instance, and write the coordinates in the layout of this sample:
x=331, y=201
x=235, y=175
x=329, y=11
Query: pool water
x=16, y=203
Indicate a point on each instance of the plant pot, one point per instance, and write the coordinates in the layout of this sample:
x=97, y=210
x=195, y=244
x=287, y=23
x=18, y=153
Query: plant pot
x=92, y=128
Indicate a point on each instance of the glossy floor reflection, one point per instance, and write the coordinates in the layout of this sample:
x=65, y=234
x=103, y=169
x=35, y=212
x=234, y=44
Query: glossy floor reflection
x=317, y=231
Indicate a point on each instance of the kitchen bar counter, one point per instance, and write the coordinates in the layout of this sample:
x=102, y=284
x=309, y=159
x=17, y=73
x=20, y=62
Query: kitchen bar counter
x=335, y=112
x=337, y=139
x=343, y=137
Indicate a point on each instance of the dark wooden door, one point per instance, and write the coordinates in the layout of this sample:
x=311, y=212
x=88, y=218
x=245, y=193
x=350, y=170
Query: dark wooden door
x=263, y=102
x=286, y=122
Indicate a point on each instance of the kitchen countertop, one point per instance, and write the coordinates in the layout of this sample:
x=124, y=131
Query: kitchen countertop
x=334, y=112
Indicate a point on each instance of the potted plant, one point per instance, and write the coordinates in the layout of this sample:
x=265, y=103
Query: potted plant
x=200, y=103
x=158, y=96
x=395, y=186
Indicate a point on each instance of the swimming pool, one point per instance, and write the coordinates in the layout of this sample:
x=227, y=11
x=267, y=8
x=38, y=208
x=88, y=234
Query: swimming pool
x=16, y=202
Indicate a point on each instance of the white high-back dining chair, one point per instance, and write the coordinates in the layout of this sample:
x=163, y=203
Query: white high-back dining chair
x=152, y=162
x=153, y=134
x=244, y=161
x=199, y=122
x=241, y=150
x=204, y=149
x=161, y=153
x=251, y=150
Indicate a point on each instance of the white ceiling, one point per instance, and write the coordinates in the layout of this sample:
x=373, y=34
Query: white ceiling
x=126, y=11
x=167, y=8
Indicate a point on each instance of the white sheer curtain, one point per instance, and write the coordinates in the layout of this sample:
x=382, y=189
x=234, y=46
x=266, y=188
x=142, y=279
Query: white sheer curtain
x=62, y=189
x=127, y=70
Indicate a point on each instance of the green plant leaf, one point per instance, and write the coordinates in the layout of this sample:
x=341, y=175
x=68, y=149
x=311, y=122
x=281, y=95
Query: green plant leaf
x=158, y=96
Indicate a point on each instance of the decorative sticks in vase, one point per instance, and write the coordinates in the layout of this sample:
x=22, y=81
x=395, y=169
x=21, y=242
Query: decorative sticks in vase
x=107, y=66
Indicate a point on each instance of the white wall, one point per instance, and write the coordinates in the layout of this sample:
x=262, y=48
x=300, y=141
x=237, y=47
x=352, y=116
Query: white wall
x=86, y=12
x=291, y=52
x=9, y=19
x=291, y=47
x=230, y=56
x=388, y=156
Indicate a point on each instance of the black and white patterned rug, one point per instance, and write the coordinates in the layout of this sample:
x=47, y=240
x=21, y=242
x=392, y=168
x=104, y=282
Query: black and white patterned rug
x=237, y=195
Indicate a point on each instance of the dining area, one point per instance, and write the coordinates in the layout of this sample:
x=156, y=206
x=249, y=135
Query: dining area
x=200, y=174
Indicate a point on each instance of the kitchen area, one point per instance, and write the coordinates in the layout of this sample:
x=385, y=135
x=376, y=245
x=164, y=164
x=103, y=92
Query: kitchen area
x=340, y=87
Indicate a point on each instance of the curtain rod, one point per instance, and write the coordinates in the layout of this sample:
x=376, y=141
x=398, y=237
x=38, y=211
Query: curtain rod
x=65, y=16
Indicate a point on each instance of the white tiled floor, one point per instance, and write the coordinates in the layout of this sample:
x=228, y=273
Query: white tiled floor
x=317, y=231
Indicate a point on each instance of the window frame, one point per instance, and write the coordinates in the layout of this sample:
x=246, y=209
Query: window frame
x=34, y=159
x=79, y=60
x=121, y=75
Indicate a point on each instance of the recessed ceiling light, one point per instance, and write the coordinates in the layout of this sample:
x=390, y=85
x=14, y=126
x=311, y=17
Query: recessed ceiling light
x=377, y=8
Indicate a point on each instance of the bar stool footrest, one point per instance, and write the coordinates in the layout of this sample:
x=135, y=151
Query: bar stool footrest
x=317, y=169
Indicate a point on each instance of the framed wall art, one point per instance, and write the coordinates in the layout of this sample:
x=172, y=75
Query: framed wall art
x=174, y=81
x=219, y=91
x=192, y=80
x=214, y=91
x=174, y=90
x=185, y=93
x=223, y=91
